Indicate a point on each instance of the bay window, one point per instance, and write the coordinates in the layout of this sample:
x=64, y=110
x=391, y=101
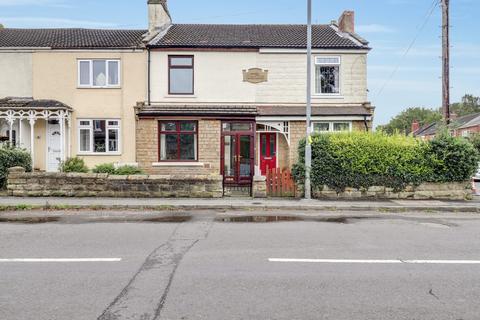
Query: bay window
x=99, y=73
x=178, y=140
x=327, y=75
x=99, y=136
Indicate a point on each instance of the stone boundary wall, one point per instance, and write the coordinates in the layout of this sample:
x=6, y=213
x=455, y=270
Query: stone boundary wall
x=26, y=184
x=425, y=191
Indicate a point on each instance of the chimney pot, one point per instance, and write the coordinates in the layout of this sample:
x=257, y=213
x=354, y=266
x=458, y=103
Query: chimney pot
x=346, y=22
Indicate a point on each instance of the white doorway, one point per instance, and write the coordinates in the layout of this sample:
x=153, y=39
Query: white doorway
x=54, y=145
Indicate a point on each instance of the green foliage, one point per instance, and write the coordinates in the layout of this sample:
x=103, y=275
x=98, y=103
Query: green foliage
x=452, y=159
x=74, y=165
x=470, y=104
x=475, y=140
x=402, y=123
x=13, y=157
x=361, y=160
x=105, y=168
x=128, y=170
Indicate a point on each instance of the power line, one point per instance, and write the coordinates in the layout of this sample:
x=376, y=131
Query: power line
x=410, y=46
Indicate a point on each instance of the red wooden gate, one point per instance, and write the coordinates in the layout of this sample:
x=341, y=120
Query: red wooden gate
x=280, y=183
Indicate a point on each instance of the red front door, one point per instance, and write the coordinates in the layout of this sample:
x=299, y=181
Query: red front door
x=268, y=151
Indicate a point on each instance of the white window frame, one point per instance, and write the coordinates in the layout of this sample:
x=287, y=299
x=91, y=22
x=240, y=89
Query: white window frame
x=108, y=127
x=107, y=80
x=329, y=64
x=331, y=126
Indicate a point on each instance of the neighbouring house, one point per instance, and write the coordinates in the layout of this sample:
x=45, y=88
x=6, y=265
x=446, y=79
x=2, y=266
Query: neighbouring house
x=71, y=92
x=464, y=126
x=230, y=99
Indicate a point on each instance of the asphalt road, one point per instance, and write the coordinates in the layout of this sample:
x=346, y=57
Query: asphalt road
x=206, y=269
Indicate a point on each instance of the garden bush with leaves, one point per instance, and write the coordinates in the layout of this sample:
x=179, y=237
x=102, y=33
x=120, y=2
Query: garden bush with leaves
x=74, y=165
x=121, y=171
x=361, y=160
x=13, y=157
x=452, y=159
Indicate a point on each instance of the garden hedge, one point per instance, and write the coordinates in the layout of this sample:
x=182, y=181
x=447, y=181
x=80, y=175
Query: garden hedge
x=361, y=160
x=12, y=157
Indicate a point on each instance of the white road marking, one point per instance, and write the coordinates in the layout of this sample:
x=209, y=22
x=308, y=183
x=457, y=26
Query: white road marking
x=64, y=260
x=392, y=261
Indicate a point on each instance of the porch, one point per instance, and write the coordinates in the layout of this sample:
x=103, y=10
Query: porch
x=42, y=127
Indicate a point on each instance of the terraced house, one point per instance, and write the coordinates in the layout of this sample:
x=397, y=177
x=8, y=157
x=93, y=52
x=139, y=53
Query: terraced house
x=180, y=98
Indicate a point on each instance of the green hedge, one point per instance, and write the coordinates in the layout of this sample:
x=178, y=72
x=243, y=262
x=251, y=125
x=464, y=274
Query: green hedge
x=12, y=157
x=120, y=171
x=361, y=160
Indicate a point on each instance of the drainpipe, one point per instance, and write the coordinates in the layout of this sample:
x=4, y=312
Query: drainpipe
x=149, y=73
x=366, y=123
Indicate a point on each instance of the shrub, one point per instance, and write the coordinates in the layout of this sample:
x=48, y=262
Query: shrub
x=105, y=168
x=475, y=140
x=13, y=157
x=361, y=160
x=74, y=165
x=128, y=170
x=452, y=159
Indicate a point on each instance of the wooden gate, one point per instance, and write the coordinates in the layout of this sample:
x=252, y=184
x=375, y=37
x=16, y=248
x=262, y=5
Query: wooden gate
x=280, y=183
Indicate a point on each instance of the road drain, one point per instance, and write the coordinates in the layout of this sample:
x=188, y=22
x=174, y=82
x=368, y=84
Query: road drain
x=265, y=219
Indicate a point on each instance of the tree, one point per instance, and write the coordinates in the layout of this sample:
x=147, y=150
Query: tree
x=402, y=123
x=470, y=104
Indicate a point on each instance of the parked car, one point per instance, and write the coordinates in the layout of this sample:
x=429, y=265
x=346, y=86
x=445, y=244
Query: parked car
x=476, y=182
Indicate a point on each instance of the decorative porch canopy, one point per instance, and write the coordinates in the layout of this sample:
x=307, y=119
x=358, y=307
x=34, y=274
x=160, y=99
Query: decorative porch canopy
x=18, y=109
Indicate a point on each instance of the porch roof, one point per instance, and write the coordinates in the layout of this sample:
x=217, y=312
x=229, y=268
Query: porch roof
x=13, y=103
x=316, y=111
x=193, y=110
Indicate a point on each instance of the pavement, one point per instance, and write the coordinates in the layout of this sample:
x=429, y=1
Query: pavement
x=11, y=203
x=216, y=265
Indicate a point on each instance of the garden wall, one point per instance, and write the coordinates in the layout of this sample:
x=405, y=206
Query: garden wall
x=425, y=191
x=26, y=184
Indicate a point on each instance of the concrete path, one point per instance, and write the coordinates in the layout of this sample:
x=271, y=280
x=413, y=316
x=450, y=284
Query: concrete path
x=9, y=203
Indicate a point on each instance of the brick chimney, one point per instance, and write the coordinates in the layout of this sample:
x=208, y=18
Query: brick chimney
x=346, y=22
x=158, y=16
x=415, y=126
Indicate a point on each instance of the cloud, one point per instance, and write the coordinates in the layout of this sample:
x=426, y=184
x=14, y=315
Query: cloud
x=39, y=22
x=374, y=28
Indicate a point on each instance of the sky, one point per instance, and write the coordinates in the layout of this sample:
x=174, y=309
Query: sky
x=397, y=78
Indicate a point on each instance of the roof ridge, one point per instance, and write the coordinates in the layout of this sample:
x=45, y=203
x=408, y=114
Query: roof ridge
x=250, y=24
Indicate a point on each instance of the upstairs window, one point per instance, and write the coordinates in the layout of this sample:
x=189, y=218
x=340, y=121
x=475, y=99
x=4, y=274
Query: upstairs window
x=327, y=75
x=180, y=75
x=99, y=73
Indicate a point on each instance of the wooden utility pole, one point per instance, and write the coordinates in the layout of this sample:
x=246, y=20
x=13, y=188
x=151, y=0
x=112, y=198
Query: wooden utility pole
x=446, y=60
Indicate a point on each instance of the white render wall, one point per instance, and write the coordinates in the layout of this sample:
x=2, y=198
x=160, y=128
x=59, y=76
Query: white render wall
x=15, y=74
x=219, y=78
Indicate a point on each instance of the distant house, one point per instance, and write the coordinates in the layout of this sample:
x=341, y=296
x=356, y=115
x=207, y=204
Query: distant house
x=460, y=127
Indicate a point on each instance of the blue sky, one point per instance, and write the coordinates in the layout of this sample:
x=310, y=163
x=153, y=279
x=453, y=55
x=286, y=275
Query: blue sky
x=389, y=25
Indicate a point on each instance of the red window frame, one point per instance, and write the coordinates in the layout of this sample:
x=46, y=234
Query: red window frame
x=170, y=67
x=177, y=132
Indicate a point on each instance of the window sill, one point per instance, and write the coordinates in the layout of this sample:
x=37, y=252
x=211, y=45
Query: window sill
x=99, y=88
x=99, y=154
x=177, y=164
x=328, y=96
x=181, y=96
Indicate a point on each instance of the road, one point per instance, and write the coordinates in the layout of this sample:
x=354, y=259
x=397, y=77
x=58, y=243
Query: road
x=391, y=268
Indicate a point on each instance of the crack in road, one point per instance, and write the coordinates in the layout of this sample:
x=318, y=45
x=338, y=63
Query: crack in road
x=145, y=294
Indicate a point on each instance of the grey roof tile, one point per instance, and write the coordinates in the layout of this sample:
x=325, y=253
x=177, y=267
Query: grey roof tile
x=29, y=103
x=70, y=38
x=255, y=36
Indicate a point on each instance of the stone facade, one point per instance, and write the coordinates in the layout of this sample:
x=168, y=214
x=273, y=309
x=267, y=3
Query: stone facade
x=425, y=191
x=209, y=132
x=23, y=184
x=259, y=187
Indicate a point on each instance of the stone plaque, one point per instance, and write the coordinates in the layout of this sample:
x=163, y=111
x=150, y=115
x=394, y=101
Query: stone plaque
x=255, y=75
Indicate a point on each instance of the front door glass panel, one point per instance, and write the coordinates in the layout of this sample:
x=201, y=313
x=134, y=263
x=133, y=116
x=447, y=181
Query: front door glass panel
x=229, y=162
x=245, y=160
